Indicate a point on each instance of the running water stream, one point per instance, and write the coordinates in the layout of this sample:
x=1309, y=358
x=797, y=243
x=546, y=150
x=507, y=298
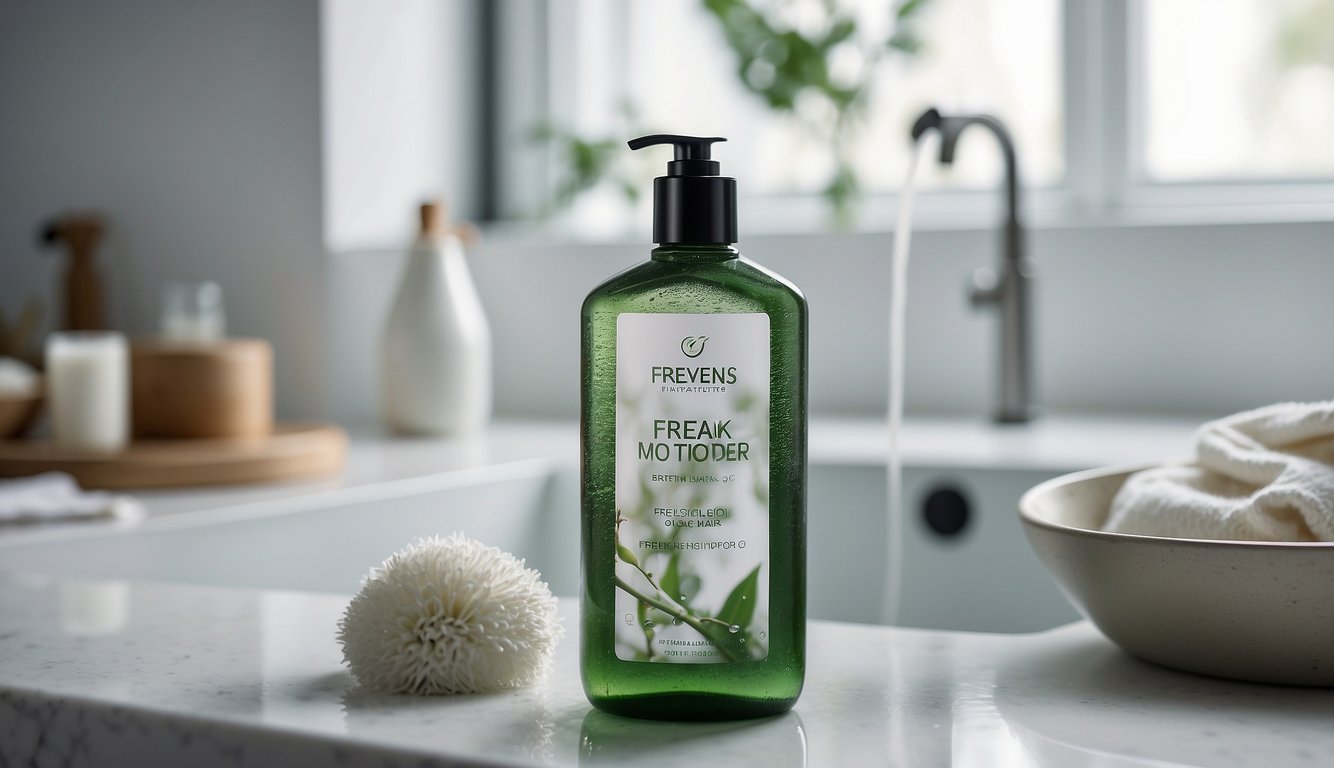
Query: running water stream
x=898, y=300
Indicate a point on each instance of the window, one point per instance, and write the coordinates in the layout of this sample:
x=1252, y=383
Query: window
x=1238, y=89
x=999, y=55
x=1115, y=105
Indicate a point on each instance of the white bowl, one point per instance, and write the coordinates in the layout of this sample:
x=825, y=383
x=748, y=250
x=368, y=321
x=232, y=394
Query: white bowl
x=1247, y=610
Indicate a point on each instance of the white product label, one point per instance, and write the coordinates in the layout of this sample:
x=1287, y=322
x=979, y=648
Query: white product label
x=692, y=487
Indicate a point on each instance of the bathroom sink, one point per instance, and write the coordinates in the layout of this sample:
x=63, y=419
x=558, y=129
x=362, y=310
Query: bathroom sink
x=982, y=576
x=324, y=543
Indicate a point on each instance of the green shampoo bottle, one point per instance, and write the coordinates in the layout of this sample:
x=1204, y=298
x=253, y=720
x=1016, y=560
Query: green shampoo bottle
x=693, y=439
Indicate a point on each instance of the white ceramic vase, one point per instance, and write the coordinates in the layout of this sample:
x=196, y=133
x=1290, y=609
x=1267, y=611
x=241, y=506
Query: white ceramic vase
x=436, y=349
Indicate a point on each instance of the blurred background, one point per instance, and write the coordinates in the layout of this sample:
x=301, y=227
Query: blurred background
x=1176, y=158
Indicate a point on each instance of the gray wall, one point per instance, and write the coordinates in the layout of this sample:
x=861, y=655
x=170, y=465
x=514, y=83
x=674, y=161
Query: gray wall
x=204, y=130
x=400, y=80
x=1180, y=320
x=232, y=141
x=196, y=127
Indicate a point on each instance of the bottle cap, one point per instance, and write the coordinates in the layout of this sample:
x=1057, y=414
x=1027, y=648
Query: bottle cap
x=431, y=217
x=692, y=204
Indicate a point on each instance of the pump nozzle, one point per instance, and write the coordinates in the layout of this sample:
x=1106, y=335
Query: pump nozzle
x=692, y=153
x=692, y=204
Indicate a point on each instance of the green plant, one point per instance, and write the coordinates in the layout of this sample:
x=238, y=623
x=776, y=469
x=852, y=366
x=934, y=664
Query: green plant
x=585, y=162
x=791, y=71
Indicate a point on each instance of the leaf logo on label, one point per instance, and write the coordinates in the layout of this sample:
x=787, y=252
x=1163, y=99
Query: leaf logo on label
x=693, y=346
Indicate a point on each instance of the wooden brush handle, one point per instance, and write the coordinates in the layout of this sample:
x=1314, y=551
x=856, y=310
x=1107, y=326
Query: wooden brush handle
x=83, y=286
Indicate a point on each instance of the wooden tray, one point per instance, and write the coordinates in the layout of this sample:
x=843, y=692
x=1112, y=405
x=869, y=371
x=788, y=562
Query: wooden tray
x=292, y=451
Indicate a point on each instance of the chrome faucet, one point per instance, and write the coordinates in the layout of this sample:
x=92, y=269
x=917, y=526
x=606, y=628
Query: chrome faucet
x=1010, y=290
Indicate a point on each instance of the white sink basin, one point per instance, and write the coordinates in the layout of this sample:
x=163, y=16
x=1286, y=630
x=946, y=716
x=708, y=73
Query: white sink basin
x=985, y=578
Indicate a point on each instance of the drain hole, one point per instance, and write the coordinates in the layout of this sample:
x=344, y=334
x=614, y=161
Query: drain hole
x=946, y=511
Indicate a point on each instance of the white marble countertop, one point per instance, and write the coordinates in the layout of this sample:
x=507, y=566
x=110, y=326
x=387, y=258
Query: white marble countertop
x=140, y=674
x=95, y=673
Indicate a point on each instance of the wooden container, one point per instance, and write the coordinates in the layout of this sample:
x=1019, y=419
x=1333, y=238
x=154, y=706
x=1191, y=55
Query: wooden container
x=191, y=390
x=292, y=452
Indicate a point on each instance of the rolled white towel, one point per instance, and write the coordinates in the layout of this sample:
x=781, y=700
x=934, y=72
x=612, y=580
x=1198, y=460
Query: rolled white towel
x=55, y=497
x=1262, y=475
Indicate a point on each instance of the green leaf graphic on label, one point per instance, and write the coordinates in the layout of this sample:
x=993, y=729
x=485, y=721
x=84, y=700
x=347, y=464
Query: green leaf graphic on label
x=693, y=346
x=671, y=580
x=626, y=555
x=740, y=606
x=690, y=584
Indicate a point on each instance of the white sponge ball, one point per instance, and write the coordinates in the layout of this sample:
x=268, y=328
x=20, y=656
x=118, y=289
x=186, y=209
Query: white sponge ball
x=450, y=615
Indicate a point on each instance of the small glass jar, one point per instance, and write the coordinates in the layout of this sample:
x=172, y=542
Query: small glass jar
x=192, y=312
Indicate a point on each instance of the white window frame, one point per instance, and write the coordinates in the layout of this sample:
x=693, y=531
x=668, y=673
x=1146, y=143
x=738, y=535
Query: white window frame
x=1105, y=182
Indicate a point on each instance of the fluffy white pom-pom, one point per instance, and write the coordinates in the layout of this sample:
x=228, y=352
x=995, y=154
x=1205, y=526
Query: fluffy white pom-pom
x=450, y=615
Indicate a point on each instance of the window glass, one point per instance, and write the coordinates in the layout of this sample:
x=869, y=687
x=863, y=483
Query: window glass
x=1238, y=89
x=998, y=56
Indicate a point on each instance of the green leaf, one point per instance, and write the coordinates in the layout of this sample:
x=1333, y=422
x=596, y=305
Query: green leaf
x=671, y=578
x=626, y=555
x=690, y=584
x=905, y=41
x=543, y=131
x=646, y=496
x=841, y=30
x=739, y=608
x=909, y=8
x=842, y=193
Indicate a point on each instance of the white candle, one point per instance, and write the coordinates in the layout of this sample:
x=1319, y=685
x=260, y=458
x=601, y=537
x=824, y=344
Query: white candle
x=88, y=384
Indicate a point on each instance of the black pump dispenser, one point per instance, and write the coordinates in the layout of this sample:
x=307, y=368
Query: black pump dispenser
x=692, y=204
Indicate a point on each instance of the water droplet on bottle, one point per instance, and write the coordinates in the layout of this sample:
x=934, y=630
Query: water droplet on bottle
x=743, y=639
x=676, y=621
x=649, y=623
x=735, y=628
x=684, y=598
x=745, y=597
